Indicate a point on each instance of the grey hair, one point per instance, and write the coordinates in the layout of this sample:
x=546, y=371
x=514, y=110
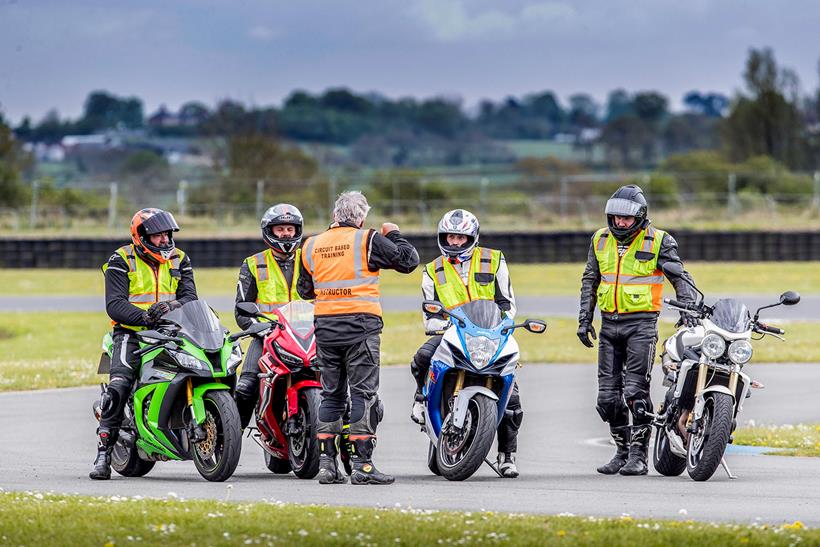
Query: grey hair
x=351, y=207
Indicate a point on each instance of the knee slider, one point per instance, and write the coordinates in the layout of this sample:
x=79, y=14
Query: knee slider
x=611, y=411
x=515, y=417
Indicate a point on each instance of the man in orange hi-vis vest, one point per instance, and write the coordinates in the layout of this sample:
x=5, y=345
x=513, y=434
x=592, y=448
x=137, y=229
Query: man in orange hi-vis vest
x=340, y=270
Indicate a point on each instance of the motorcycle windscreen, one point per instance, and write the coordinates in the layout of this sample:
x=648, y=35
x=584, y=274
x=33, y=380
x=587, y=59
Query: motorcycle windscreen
x=484, y=314
x=198, y=324
x=731, y=315
x=299, y=315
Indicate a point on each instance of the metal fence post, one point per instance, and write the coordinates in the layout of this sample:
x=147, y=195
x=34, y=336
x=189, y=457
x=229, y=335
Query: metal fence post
x=35, y=186
x=815, y=201
x=113, y=189
x=183, y=185
x=732, y=201
x=260, y=190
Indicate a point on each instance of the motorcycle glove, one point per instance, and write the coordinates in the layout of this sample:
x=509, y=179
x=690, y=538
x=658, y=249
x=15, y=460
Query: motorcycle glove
x=585, y=330
x=156, y=311
x=689, y=320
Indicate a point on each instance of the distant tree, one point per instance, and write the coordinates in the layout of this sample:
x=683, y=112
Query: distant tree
x=441, y=117
x=767, y=120
x=622, y=135
x=583, y=112
x=103, y=110
x=619, y=103
x=713, y=105
x=13, y=192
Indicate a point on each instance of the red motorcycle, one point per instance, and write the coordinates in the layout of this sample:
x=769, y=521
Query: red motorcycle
x=289, y=391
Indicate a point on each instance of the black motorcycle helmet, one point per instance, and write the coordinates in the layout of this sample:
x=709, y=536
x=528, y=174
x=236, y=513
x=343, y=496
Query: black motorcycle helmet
x=627, y=201
x=283, y=213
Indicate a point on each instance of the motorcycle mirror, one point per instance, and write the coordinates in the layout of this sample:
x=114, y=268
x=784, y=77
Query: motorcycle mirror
x=434, y=307
x=248, y=309
x=535, y=326
x=789, y=298
x=674, y=269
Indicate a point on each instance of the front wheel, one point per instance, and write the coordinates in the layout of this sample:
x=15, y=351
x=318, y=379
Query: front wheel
x=666, y=462
x=460, y=453
x=126, y=461
x=706, y=446
x=217, y=456
x=303, y=447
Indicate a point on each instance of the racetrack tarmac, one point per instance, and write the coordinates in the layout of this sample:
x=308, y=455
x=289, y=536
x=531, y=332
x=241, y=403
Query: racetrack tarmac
x=47, y=444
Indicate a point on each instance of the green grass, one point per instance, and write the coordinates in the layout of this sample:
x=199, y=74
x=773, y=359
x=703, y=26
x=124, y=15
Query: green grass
x=528, y=279
x=56, y=520
x=47, y=350
x=794, y=440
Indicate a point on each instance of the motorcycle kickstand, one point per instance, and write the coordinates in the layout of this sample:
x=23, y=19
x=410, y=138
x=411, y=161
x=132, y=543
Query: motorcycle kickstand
x=726, y=468
x=494, y=467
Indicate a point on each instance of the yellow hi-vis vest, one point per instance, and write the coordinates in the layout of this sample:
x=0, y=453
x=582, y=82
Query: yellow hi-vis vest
x=337, y=260
x=146, y=285
x=632, y=282
x=450, y=288
x=272, y=289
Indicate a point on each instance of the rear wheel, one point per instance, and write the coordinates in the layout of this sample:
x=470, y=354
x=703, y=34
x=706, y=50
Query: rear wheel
x=666, y=462
x=708, y=443
x=277, y=465
x=217, y=456
x=126, y=461
x=460, y=453
x=432, y=459
x=303, y=447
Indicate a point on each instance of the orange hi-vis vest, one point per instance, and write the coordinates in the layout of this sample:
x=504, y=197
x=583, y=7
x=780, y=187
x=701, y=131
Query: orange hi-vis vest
x=337, y=261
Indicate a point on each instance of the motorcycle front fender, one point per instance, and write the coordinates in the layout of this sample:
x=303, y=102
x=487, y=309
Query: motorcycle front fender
x=293, y=394
x=198, y=404
x=463, y=401
x=701, y=402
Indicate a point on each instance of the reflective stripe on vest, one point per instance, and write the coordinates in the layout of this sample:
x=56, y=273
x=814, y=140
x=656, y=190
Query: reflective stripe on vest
x=629, y=283
x=337, y=261
x=272, y=289
x=450, y=288
x=147, y=286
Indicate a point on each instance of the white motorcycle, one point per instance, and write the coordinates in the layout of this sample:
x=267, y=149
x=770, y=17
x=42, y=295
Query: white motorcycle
x=703, y=371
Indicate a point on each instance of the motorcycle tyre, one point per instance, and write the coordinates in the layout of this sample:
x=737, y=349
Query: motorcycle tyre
x=276, y=465
x=127, y=462
x=432, y=459
x=721, y=407
x=224, y=406
x=309, y=400
x=665, y=461
x=480, y=447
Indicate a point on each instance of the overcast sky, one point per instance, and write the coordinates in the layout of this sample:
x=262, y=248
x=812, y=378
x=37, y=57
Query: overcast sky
x=53, y=52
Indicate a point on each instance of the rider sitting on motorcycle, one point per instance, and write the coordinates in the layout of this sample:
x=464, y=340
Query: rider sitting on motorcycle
x=465, y=272
x=143, y=281
x=267, y=278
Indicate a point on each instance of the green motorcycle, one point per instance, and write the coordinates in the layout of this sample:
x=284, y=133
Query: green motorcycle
x=181, y=406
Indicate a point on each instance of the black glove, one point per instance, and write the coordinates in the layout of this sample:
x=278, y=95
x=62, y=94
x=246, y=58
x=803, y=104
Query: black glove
x=688, y=320
x=156, y=311
x=586, y=329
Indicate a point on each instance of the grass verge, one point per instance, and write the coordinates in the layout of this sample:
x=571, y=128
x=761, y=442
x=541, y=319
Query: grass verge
x=528, y=279
x=46, y=350
x=795, y=440
x=56, y=520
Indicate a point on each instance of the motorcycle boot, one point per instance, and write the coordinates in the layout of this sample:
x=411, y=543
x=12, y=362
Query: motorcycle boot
x=344, y=450
x=417, y=413
x=621, y=437
x=506, y=465
x=638, y=451
x=364, y=472
x=102, y=463
x=328, y=467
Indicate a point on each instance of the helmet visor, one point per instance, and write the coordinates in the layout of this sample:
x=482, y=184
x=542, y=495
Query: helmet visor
x=622, y=207
x=160, y=222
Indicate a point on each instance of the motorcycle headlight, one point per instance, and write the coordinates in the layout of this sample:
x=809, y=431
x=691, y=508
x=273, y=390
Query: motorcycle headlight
x=287, y=357
x=188, y=361
x=481, y=349
x=234, y=359
x=713, y=346
x=740, y=351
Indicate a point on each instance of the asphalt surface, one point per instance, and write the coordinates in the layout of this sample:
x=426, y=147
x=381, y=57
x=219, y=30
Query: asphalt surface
x=555, y=306
x=47, y=444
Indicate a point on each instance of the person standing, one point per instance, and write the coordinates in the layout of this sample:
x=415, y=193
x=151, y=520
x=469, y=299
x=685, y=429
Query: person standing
x=340, y=270
x=624, y=278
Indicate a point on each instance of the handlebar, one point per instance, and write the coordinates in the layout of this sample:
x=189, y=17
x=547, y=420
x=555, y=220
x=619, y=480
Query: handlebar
x=433, y=332
x=762, y=327
x=682, y=305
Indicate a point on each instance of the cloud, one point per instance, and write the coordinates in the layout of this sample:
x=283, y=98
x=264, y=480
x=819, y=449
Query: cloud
x=450, y=21
x=261, y=33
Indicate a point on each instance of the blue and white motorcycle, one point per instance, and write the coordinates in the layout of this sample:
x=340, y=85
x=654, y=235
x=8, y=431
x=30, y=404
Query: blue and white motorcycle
x=469, y=385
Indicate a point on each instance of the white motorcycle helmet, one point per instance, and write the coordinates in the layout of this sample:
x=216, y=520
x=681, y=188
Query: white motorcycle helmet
x=462, y=222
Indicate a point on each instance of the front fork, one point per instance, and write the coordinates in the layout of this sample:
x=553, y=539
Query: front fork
x=196, y=433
